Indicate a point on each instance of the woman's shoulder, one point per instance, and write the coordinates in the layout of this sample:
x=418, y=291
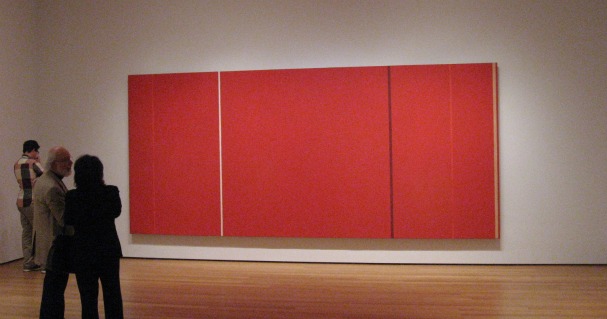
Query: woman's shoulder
x=111, y=188
x=110, y=192
x=105, y=189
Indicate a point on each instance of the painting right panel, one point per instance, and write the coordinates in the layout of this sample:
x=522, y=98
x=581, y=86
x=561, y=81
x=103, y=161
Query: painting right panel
x=475, y=150
x=444, y=151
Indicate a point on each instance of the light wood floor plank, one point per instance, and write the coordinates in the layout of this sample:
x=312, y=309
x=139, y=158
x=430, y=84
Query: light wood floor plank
x=211, y=289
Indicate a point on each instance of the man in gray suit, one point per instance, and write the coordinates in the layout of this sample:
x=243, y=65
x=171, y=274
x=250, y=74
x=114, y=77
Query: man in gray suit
x=49, y=203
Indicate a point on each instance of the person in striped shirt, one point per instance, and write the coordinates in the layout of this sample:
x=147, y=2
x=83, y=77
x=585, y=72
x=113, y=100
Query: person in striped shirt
x=27, y=169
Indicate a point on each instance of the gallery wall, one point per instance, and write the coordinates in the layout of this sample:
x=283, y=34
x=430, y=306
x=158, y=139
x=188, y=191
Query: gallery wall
x=17, y=113
x=552, y=104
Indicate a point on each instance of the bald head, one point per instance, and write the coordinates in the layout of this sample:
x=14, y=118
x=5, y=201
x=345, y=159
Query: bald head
x=59, y=161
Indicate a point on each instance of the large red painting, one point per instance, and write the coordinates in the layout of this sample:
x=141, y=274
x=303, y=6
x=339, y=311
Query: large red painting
x=362, y=152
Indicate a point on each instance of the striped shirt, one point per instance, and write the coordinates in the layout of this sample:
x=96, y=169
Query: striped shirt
x=26, y=171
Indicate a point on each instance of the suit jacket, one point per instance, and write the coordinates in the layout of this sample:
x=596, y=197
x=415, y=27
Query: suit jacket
x=49, y=203
x=92, y=213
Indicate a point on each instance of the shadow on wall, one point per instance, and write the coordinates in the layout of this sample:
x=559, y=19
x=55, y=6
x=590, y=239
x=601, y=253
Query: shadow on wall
x=321, y=243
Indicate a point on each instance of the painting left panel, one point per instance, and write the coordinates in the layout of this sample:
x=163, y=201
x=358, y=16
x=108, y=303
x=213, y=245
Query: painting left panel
x=174, y=154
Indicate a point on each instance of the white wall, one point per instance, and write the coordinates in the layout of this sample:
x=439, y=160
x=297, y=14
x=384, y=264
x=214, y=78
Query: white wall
x=17, y=112
x=552, y=104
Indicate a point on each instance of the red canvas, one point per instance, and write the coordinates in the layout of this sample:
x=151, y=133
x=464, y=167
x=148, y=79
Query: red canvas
x=366, y=152
x=475, y=150
x=141, y=154
x=444, y=155
x=421, y=144
x=306, y=153
x=181, y=137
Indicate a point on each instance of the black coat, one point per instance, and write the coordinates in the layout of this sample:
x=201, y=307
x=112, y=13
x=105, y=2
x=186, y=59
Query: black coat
x=92, y=213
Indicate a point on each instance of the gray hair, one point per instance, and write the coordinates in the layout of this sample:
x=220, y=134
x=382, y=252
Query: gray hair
x=52, y=157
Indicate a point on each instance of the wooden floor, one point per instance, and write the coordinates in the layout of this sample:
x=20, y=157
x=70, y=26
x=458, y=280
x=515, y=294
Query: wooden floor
x=209, y=289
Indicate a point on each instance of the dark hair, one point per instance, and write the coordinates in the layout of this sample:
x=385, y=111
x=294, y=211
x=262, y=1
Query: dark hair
x=88, y=171
x=30, y=145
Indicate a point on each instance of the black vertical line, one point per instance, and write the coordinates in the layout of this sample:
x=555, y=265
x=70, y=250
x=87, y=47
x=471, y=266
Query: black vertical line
x=390, y=152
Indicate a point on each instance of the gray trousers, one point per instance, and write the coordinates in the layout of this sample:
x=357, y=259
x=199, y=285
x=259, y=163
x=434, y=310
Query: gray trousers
x=27, y=242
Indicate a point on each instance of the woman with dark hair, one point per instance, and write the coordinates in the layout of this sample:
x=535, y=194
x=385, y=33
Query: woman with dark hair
x=92, y=208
